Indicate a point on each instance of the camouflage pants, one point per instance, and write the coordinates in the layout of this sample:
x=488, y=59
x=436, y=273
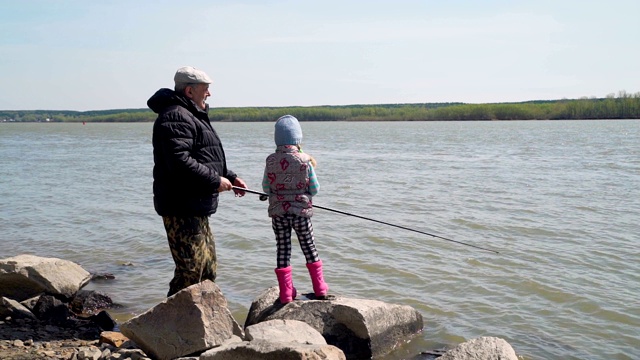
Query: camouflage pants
x=193, y=250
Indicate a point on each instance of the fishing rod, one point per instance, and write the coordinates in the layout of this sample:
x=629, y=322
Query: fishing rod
x=263, y=196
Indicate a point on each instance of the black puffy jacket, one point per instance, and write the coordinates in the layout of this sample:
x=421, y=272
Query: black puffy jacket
x=188, y=157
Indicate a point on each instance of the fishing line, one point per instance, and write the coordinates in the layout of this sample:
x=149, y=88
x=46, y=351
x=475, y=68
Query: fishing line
x=264, y=195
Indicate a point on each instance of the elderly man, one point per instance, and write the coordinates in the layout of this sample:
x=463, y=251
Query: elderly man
x=190, y=170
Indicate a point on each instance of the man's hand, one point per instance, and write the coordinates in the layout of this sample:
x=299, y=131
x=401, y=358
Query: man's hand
x=225, y=184
x=239, y=183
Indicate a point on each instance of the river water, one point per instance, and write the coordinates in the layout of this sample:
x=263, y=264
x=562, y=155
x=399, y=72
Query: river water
x=560, y=201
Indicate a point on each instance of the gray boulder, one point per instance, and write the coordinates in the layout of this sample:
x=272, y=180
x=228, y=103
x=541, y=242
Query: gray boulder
x=259, y=349
x=14, y=309
x=361, y=328
x=191, y=321
x=284, y=331
x=482, y=348
x=25, y=276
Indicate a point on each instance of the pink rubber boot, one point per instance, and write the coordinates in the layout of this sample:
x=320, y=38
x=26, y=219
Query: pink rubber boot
x=285, y=283
x=320, y=288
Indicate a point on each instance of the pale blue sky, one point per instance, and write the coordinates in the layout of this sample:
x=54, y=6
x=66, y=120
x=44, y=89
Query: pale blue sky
x=96, y=55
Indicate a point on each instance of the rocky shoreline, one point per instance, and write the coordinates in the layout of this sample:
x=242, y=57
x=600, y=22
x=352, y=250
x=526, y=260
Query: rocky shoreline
x=45, y=314
x=22, y=339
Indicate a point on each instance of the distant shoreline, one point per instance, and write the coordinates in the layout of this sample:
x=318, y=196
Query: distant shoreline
x=624, y=106
x=249, y=121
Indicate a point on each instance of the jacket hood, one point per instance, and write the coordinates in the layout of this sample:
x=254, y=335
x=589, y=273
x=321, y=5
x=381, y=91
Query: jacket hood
x=164, y=98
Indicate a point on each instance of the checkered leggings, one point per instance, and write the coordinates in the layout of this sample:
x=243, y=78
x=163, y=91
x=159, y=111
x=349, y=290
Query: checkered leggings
x=282, y=226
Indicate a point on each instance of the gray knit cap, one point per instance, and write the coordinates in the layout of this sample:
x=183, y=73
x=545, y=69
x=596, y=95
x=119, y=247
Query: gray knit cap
x=288, y=131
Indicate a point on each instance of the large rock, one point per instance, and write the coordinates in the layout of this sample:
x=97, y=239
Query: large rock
x=191, y=321
x=284, y=331
x=259, y=349
x=361, y=328
x=25, y=276
x=482, y=348
x=90, y=302
x=14, y=309
x=51, y=309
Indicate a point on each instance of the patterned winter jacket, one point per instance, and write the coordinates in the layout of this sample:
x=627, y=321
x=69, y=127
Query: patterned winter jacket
x=287, y=178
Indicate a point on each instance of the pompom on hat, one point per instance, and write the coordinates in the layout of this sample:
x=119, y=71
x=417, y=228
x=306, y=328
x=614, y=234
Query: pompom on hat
x=191, y=75
x=288, y=131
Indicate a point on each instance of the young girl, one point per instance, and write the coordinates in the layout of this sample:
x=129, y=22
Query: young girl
x=290, y=181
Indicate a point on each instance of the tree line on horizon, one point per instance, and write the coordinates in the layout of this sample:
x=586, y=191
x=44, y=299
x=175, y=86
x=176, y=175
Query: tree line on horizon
x=622, y=106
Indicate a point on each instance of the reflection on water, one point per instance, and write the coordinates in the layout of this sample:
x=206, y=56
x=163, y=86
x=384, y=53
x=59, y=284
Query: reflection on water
x=558, y=199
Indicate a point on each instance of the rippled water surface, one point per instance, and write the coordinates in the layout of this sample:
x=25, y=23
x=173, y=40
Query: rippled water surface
x=559, y=200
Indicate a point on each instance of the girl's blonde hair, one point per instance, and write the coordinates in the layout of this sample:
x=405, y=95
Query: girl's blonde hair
x=311, y=158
